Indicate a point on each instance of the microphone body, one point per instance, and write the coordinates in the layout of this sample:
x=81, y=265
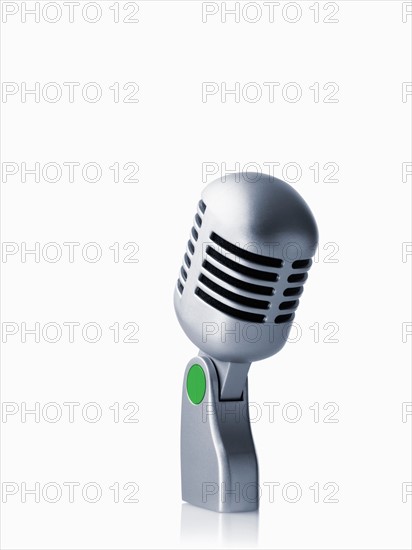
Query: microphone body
x=239, y=286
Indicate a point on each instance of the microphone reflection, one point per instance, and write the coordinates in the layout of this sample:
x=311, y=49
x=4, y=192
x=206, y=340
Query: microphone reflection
x=200, y=527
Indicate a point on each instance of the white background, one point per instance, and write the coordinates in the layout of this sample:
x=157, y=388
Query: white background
x=362, y=288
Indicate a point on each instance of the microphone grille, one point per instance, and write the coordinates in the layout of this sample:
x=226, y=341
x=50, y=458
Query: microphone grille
x=255, y=288
x=191, y=246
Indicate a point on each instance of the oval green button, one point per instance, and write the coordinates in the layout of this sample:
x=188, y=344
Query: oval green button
x=196, y=384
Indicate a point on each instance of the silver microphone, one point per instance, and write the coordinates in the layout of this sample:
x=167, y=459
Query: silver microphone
x=239, y=286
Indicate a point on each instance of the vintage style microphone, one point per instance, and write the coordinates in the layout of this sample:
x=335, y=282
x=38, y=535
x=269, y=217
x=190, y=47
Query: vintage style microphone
x=238, y=289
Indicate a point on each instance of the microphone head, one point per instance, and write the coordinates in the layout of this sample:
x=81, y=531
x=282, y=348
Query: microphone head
x=246, y=261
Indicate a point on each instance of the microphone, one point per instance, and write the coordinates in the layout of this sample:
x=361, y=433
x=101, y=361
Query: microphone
x=246, y=261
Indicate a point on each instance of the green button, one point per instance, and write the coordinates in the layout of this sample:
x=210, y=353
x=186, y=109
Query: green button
x=196, y=384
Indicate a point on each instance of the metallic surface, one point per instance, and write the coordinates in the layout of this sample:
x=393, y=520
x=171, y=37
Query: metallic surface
x=242, y=276
x=267, y=217
x=232, y=378
x=218, y=459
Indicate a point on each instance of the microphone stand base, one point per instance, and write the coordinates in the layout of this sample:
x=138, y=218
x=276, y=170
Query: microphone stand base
x=218, y=460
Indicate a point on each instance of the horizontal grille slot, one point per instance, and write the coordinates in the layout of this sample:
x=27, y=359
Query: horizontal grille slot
x=297, y=278
x=190, y=246
x=284, y=318
x=198, y=220
x=301, y=264
x=195, y=234
x=187, y=260
x=183, y=273
x=228, y=310
x=180, y=286
x=202, y=206
x=293, y=291
x=238, y=298
x=289, y=305
x=248, y=271
x=245, y=254
x=238, y=283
